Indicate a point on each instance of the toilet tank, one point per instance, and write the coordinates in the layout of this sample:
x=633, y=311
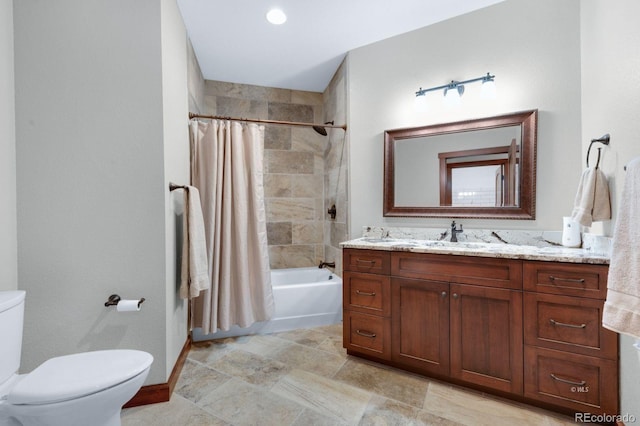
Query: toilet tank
x=11, y=322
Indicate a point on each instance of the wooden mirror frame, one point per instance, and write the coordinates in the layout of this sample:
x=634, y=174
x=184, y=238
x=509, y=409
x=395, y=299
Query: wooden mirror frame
x=528, y=122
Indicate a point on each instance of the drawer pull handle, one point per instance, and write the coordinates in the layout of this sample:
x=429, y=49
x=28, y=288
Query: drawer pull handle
x=569, y=382
x=364, y=293
x=570, y=280
x=368, y=262
x=366, y=334
x=564, y=324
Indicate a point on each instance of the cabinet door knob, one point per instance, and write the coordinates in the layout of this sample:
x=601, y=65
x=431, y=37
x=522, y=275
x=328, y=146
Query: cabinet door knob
x=443, y=294
x=455, y=295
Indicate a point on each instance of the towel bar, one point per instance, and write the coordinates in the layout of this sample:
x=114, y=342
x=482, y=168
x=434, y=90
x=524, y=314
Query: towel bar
x=173, y=186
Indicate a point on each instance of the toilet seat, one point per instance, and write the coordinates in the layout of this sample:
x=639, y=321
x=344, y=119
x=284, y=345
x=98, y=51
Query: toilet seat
x=73, y=376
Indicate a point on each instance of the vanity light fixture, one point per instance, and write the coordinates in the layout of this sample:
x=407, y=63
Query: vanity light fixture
x=454, y=90
x=276, y=17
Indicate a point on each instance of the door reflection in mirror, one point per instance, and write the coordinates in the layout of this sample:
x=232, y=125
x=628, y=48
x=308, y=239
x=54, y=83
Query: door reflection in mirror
x=486, y=177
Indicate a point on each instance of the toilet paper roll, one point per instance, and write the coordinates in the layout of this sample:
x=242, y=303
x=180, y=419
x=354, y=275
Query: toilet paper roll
x=128, y=306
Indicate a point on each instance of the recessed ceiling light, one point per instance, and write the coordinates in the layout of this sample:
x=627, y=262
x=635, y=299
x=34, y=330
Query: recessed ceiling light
x=276, y=17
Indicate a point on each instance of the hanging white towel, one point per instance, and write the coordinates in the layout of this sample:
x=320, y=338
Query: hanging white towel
x=622, y=308
x=592, y=201
x=195, y=270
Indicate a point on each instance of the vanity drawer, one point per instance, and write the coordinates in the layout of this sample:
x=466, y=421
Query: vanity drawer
x=571, y=279
x=485, y=271
x=577, y=382
x=368, y=293
x=367, y=334
x=371, y=261
x=568, y=323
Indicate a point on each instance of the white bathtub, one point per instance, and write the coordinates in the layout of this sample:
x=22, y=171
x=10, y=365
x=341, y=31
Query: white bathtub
x=303, y=297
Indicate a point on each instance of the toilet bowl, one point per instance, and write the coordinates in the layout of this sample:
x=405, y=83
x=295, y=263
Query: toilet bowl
x=81, y=389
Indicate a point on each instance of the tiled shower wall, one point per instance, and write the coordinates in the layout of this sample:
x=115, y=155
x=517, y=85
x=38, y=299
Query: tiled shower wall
x=293, y=165
x=335, y=166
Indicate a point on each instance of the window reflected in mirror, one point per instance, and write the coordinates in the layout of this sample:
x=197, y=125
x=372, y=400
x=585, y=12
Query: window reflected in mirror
x=486, y=177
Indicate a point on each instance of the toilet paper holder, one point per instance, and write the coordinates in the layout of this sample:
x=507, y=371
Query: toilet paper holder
x=114, y=299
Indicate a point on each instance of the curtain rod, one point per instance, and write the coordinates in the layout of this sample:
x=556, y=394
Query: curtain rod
x=251, y=120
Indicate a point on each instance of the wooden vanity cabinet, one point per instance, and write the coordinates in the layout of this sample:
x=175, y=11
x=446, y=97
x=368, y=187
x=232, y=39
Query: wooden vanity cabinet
x=420, y=325
x=570, y=359
x=522, y=328
x=366, y=303
x=458, y=316
x=486, y=337
x=449, y=316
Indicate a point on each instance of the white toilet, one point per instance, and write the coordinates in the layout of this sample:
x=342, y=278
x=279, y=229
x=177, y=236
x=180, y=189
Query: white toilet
x=82, y=389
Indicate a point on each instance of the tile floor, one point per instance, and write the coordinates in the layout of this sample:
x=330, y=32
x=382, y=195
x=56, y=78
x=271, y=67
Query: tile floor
x=305, y=377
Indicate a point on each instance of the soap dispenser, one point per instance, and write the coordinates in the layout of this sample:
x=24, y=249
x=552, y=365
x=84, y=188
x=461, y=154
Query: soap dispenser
x=570, y=232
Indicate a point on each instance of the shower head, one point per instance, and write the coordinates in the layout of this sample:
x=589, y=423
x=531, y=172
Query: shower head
x=321, y=130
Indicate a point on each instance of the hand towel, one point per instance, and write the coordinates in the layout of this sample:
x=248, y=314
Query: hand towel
x=592, y=201
x=195, y=270
x=622, y=308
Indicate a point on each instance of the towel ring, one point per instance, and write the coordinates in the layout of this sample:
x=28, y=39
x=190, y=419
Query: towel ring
x=605, y=139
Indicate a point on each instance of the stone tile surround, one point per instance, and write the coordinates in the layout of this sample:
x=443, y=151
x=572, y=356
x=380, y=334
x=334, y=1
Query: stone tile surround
x=336, y=168
x=293, y=166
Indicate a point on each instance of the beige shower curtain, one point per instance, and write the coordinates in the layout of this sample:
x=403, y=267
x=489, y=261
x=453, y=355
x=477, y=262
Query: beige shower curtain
x=227, y=169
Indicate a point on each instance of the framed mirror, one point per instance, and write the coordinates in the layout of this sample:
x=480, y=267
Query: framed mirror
x=481, y=168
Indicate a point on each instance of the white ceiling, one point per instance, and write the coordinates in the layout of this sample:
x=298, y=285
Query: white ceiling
x=233, y=41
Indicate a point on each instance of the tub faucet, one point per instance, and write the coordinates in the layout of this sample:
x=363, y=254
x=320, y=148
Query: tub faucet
x=327, y=264
x=455, y=232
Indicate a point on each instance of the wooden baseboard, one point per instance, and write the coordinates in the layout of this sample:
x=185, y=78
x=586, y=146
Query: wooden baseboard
x=152, y=394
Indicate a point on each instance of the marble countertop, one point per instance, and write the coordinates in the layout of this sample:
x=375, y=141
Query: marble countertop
x=481, y=249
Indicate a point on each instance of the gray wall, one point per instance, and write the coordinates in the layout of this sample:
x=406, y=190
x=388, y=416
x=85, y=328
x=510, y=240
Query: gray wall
x=610, y=103
x=8, y=238
x=101, y=109
x=175, y=104
x=536, y=61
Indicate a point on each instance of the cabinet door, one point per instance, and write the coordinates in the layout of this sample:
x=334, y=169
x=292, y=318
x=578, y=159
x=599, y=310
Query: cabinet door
x=486, y=337
x=420, y=324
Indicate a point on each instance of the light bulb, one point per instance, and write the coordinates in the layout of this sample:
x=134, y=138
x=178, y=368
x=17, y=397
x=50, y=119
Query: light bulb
x=276, y=17
x=452, y=96
x=488, y=90
x=421, y=104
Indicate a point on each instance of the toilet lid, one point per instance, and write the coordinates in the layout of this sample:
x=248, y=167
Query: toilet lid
x=73, y=376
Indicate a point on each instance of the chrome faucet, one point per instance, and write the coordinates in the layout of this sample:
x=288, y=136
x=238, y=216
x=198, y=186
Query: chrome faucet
x=455, y=232
x=327, y=264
